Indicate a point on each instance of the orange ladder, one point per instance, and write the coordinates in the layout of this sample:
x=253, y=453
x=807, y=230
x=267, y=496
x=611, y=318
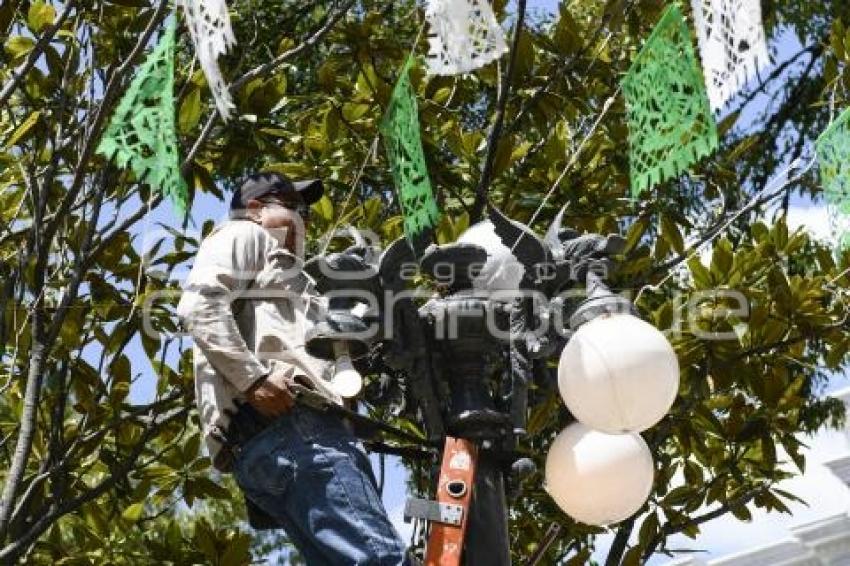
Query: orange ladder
x=449, y=514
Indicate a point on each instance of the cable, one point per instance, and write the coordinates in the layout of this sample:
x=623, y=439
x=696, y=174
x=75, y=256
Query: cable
x=753, y=201
x=605, y=107
x=373, y=146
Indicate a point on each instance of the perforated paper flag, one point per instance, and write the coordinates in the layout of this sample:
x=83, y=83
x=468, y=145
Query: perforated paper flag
x=141, y=133
x=465, y=35
x=833, y=152
x=209, y=26
x=670, y=122
x=400, y=129
x=732, y=45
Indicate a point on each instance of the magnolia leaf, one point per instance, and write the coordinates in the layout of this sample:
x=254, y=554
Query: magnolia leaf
x=40, y=16
x=18, y=46
x=21, y=131
x=190, y=112
x=134, y=511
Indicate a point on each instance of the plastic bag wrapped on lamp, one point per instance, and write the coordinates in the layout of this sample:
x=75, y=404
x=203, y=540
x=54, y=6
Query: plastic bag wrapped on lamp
x=598, y=478
x=501, y=271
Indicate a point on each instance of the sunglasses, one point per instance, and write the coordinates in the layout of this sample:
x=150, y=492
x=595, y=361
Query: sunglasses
x=301, y=208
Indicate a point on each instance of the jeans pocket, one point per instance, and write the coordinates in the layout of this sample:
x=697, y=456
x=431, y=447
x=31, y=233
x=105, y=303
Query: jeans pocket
x=266, y=471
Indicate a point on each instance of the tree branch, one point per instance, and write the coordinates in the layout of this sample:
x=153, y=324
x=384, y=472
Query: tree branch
x=816, y=50
x=36, y=52
x=498, y=121
x=96, y=123
x=263, y=70
x=671, y=529
x=13, y=550
x=618, y=546
x=42, y=340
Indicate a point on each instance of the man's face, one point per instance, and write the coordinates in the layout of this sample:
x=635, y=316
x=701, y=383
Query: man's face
x=284, y=216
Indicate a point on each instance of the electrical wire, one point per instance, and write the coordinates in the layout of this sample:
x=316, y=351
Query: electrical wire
x=776, y=186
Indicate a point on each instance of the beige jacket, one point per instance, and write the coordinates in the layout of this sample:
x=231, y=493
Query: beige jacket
x=247, y=305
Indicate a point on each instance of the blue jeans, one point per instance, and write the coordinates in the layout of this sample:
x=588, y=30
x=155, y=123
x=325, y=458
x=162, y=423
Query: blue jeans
x=310, y=473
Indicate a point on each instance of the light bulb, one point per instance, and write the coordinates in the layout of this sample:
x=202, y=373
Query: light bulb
x=618, y=374
x=347, y=381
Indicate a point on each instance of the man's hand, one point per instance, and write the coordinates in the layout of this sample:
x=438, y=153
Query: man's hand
x=273, y=397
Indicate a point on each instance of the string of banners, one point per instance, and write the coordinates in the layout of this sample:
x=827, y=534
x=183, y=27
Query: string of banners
x=671, y=100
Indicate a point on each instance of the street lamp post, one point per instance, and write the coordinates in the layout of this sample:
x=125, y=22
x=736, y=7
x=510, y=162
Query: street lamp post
x=469, y=353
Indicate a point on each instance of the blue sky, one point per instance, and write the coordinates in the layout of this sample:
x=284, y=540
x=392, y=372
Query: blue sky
x=722, y=536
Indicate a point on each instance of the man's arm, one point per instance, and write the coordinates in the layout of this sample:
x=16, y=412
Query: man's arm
x=226, y=265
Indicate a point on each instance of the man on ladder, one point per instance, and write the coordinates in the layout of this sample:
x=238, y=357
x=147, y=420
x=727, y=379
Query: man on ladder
x=247, y=305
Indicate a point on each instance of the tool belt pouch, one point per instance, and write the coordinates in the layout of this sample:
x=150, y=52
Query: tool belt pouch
x=245, y=425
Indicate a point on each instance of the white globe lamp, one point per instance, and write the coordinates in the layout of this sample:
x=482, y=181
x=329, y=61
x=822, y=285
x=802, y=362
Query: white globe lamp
x=598, y=478
x=618, y=374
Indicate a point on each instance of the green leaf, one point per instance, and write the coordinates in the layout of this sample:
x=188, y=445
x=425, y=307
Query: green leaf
x=10, y=200
x=542, y=414
x=190, y=112
x=208, y=488
x=22, y=130
x=119, y=371
x=726, y=124
x=524, y=57
x=790, y=496
x=700, y=274
x=836, y=39
x=351, y=112
x=670, y=232
x=679, y=496
x=781, y=289
x=442, y=95
x=632, y=557
x=324, y=208
x=40, y=16
x=330, y=125
x=648, y=529
x=504, y=155
x=566, y=38
x=721, y=259
x=792, y=447
x=131, y=3
x=768, y=452
x=238, y=551
x=293, y=170
x=190, y=448
x=635, y=233
x=693, y=473
x=18, y=46
x=372, y=210
x=742, y=513
x=134, y=511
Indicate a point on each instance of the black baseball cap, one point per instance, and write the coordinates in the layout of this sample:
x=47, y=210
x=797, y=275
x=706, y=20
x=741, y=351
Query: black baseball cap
x=267, y=183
